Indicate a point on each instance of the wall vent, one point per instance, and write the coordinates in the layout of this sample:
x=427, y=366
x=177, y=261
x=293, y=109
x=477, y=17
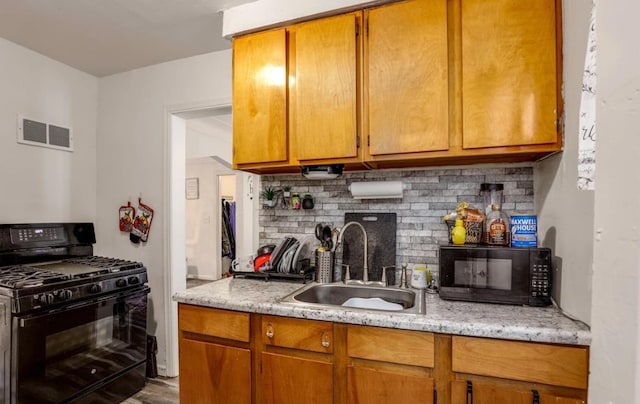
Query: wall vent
x=44, y=134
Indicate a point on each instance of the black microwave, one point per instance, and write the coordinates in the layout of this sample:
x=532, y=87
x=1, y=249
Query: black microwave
x=505, y=275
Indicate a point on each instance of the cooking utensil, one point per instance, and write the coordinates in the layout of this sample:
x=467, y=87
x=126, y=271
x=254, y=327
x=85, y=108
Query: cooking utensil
x=318, y=232
x=326, y=237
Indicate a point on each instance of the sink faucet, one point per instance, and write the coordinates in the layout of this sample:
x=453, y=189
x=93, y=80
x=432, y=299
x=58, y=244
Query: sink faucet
x=365, y=274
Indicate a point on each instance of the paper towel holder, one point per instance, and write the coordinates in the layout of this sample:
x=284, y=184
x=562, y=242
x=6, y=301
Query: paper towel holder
x=376, y=190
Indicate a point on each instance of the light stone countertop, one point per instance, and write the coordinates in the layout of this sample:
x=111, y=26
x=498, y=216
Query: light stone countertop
x=447, y=317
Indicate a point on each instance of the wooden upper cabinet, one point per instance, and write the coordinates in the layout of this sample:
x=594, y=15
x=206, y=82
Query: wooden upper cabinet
x=407, y=77
x=323, y=88
x=509, y=77
x=260, y=98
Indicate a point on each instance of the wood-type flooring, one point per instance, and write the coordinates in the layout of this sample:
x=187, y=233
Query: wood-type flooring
x=160, y=390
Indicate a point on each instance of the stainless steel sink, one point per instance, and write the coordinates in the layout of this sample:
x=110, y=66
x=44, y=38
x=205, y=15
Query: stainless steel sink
x=336, y=294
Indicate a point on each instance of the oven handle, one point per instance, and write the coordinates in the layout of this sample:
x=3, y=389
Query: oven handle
x=26, y=321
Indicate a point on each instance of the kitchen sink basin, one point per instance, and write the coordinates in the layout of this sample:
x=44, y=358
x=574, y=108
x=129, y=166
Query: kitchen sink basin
x=354, y=296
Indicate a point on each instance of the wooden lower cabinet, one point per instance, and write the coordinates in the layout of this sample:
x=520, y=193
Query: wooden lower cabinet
x=291, y=379
x=213, y=373
x=233, y=357
x=513, y=372
x=376, y=386
x=389, y=366
x=215, y=356
x=467, y=392
x=296, y=361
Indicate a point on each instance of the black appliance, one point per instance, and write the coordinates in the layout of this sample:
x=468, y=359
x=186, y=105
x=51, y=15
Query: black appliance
x=519, y=276
x=75, y=324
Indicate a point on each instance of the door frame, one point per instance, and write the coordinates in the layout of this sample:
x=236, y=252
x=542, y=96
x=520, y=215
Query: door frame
x=173, y=272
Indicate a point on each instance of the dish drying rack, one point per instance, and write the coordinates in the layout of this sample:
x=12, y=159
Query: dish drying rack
x=307, y=273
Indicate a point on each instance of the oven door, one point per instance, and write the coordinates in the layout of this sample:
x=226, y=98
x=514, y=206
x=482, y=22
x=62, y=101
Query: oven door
x=67, y=352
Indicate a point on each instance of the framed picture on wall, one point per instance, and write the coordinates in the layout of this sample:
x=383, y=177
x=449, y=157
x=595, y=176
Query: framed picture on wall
x=192, y=188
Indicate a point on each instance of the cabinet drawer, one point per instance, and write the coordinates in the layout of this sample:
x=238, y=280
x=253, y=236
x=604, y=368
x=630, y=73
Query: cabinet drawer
x=214, y=322
x=309, y=335
x=390, y=345
x=531, y=362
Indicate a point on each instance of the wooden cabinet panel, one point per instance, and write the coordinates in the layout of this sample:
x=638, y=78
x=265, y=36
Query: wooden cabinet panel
x=407, y=77
x=324, y=90
x=287, y=379
x=259, y=98
x=496, y=393
x=389, y=345
x=509, y=77
x=487, y=394
x=212, y=373
x=552, y=399
x=367, y=385
x=214, y=322
x=532, y=362
x=308, y=335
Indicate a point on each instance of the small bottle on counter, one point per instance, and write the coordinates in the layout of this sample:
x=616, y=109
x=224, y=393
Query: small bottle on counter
x=295, y=201
x=458, y=233
x=497, y=227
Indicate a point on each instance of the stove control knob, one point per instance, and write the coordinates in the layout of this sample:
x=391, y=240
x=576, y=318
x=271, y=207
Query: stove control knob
x=65, y=294
x=95, y=288
x=46, y=298
x=121, y=283
x=133, y=280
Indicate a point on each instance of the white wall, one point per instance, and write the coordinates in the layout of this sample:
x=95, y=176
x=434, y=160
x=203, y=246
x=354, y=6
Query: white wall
x=39, y=184
x=209, y=137
x=565, y=213
x=203, y=219
x=615, y=316
x=132, y=146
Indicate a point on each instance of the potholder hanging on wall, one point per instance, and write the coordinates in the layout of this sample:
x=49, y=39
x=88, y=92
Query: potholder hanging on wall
x=126, y=213
x=142, y=223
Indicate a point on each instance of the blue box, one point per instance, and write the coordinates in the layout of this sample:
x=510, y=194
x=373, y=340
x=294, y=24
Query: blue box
x=524, y=231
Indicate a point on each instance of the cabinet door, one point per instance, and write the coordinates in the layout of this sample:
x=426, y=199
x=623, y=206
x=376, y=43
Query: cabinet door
x=368, y=385
x=259, y=98
x=407, y=77
x=324, y=111
x=509, y=89
x=486, y=393
x=212, y=373
x=289, y=379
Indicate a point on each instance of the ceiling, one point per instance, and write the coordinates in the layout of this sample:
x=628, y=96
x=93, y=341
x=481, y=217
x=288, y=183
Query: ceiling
x=104, y=37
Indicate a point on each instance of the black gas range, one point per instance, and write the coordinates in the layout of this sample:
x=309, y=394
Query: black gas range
x=77, y=329
x=49, y=284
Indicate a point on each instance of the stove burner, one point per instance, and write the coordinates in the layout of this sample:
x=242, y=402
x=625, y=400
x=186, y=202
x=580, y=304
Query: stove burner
x=18, y=277
x=33, y=275
x=111, y=264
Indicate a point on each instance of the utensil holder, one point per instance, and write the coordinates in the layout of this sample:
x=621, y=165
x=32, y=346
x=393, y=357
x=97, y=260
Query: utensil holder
x=324, y=266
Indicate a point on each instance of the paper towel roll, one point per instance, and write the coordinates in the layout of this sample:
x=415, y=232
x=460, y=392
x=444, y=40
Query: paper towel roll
x=376, y=190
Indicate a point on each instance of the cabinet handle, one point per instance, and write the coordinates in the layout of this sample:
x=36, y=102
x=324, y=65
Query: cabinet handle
x=469, y=392
x=536, y=397
x=269, y=332
x=326, y=340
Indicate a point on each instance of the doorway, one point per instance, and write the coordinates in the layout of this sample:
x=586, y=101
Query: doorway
x=199, y=154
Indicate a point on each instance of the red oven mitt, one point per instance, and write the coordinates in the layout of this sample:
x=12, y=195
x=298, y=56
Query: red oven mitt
x=126, y=213
x=142, y=223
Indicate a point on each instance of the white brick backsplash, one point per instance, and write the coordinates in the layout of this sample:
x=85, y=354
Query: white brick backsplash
x=429, y=194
